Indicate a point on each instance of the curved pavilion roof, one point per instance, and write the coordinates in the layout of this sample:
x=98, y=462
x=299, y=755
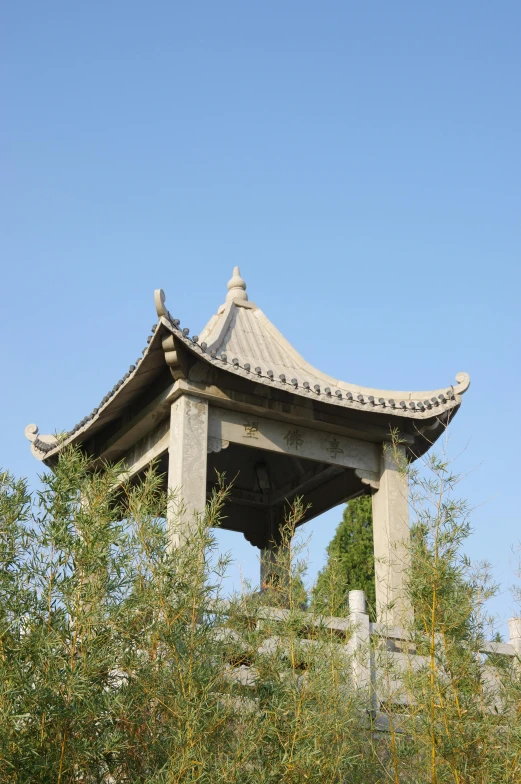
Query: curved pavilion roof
x=240, y=340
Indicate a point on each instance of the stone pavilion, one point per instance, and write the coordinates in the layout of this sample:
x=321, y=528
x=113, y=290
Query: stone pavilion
x=238, y=399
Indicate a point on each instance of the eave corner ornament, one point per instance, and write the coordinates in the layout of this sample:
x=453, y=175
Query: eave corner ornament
x=40, y=443
x=463, y=383
x=160, y=299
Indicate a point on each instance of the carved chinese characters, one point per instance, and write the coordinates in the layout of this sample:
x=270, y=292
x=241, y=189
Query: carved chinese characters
x=293, y=439
x=251, y=429
x=334, y=447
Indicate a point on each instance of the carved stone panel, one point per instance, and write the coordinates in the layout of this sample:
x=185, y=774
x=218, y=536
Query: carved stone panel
x=303, y=442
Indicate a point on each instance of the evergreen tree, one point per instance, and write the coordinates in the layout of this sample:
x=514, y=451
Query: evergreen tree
x=350, y=564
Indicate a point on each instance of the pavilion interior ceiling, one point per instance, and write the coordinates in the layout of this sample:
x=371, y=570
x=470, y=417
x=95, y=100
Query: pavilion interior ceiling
x=265, y=483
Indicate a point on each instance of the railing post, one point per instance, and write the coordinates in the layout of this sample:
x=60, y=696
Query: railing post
x=514, y=632
x=359, y=641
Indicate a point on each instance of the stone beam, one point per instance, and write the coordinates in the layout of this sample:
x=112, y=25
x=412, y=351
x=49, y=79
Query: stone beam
x=235, y=393
x=302, y=442
x=305, y=482
x=137, y=428
x=147, y=449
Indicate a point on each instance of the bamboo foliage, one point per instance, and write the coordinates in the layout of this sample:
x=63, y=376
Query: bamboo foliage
x=121, y=660
x=454, y=715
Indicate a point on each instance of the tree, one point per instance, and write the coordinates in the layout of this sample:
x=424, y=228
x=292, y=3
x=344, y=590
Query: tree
x=350, y=564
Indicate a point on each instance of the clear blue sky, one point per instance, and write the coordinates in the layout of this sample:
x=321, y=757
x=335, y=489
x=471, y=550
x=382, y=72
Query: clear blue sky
x=360, y=161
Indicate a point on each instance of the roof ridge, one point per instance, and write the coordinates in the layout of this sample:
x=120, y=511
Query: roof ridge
x=462, y=379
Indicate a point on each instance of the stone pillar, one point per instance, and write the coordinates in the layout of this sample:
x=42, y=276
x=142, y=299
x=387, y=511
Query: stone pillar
x=391, y=537
x=187, y=458
x=269, y=574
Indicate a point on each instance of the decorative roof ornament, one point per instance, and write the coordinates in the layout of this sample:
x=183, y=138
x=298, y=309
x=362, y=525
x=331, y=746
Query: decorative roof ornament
x=236, y=287
x=42, y=444
x=159, y=301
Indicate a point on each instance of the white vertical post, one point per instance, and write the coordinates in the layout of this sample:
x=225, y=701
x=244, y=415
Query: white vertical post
x=514, y=632
x=358, y=645
x=391, y=539
x=187, y=458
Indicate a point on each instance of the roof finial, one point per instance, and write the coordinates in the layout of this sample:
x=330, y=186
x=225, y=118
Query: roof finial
x=236, y=286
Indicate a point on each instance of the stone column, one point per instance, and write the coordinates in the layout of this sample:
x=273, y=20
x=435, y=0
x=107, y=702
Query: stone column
x=391, y=538
x=187, y=457
x=269, y=574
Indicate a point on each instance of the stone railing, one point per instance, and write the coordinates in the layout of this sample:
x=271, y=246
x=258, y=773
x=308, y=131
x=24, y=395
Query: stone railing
x=379, y=656
x=380, y=667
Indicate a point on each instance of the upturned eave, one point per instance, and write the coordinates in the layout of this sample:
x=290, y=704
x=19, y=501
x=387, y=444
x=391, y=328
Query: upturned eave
x=422, y=413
